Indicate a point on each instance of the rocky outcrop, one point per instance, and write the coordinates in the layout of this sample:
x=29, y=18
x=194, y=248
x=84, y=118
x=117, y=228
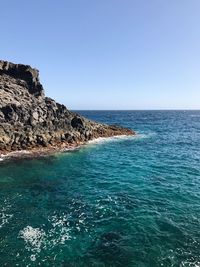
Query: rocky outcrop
x=30, y=120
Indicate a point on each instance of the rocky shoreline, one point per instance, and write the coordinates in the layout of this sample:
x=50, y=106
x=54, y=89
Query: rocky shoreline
x=31, y=122
x=52, y=150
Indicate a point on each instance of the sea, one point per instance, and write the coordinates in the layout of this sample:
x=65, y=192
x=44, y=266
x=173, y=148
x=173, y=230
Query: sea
x=123, y=201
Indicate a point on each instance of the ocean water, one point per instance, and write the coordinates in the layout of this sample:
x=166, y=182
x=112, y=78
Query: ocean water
x=121, y=202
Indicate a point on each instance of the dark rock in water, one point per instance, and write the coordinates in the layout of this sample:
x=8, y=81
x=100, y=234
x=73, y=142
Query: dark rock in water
x=110, y=237
x=110, y=249
x=109, y=244
x=29, y=120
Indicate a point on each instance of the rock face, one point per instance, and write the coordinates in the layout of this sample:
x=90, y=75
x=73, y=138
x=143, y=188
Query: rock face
x=30, y=120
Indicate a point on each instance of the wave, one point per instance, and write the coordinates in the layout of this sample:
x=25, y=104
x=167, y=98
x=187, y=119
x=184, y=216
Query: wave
x=145, y=135
x=111, y=139
x=14, y=154
x=118, y=138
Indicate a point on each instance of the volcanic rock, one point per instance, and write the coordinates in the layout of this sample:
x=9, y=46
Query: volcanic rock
x=29, y=120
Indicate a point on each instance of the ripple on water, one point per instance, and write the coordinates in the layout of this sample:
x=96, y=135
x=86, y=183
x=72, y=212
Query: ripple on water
x=38, y=239
x=119, y=138
x=131, y=202
x=5, y=212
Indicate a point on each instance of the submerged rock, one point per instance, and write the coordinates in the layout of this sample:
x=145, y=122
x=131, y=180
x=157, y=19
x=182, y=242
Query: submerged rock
x=29, y=120
x=110, y=249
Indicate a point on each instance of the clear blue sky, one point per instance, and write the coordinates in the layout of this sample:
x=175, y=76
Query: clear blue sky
x=108, y=54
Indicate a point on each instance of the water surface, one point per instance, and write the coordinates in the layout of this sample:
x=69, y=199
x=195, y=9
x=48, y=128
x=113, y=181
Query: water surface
x=123, y=202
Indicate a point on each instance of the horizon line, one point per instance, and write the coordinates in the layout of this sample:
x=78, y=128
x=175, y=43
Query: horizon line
x=134, y=109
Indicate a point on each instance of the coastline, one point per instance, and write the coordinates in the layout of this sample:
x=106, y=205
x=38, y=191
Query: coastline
x=39, y=152
x=33, y=125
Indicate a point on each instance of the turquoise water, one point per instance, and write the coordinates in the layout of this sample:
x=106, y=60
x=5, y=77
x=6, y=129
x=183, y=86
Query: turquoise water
x=123, y=202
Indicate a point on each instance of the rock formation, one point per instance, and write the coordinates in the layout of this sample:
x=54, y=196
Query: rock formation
x=29, y=120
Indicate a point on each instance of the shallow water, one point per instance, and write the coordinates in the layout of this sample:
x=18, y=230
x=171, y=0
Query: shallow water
x=131, y=201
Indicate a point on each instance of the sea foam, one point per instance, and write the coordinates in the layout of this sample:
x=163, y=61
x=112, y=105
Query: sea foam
x=111, y=139
x=33, y=237
x=118, y=138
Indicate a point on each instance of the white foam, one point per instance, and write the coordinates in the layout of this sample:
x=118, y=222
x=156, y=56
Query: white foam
x=18, y=152
x=33, y=237
x=14, y=154
x=5, y=216
x=37, y=239
x=2, y=157
x=111, y=139
x=33, y=257
x=59, y=230
x=118, y=138
x=145, y=136
x=190, y=264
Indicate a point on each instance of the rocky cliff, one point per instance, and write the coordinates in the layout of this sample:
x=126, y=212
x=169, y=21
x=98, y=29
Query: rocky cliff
x=29, y=120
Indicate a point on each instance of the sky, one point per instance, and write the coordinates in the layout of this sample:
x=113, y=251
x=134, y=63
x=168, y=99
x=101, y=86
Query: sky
x=108, y=54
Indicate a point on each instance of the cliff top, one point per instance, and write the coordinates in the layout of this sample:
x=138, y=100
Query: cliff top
x=23, y=72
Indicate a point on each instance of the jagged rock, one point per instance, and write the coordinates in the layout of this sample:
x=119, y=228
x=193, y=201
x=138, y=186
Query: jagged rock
x=77, y=122
x=30, y=120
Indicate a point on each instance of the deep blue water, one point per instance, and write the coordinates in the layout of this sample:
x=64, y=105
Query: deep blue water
x=123, y=202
